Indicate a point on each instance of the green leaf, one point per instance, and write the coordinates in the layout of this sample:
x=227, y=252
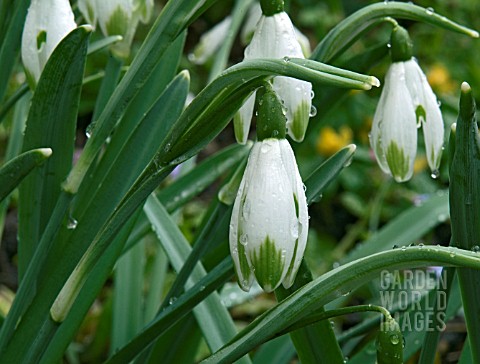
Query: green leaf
x=409, y=226
x=353, y=27
x=212, y=316
x=465, y=209
x=333, y=284
x=10, y=43
x=174, y=312
x=51, y=123
x=14, y=171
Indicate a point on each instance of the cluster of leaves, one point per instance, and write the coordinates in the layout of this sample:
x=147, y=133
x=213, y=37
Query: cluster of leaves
x=171, y=287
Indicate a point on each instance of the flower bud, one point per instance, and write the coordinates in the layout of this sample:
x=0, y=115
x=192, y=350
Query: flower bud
x=47, y=23
x=269, y=224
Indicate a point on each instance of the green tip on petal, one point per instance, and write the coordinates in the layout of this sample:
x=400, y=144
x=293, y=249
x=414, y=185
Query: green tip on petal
x=269, y=265
x=298, y=126
x=398, y=162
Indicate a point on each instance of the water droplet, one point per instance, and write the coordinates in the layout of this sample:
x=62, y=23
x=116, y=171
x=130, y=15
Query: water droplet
x=275, y=133
x=72, y=223
x=421, y=245
x=429, y=11
x=404, y=248
x=304, y=188
x=244, y=239
x=313, y=111
x=394, y=339
x=476, y=249
x=246, y=209
x=452, y=253
x=294, y=230
x=442, y=217
x=395, y=246
x=389, y=45
x=439, y=103
x=346, y=293
x=89, y=130
x=286, y=59
x=335, y=265
x=284, y=253
x=202, y=288
x=172, y=300
x=435, y=174
x=312, y=94
x=167, y=147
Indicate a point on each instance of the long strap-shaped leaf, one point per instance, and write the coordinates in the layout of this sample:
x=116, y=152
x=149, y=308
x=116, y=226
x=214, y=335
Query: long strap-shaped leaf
x=212, y=316
x=465, y=209
x=333, y=284
x=51, y=123
x=13, y=172
x=351, y=28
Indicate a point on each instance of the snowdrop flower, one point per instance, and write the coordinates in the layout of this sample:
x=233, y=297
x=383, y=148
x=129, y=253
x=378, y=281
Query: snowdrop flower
x=46, y=24
x=275, y=37
x=269, y=224
x=406, y=103
x=210, y=42
x=121, y=17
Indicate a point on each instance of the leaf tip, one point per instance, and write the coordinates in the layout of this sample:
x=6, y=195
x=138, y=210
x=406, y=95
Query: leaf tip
x=87, y=28
x=46, y=152
x=185, y=74
x=465, y=87
x=374, y=81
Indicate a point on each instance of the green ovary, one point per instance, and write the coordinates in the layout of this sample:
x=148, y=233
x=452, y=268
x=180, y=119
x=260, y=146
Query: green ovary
x=398, y=162
x=269, y=264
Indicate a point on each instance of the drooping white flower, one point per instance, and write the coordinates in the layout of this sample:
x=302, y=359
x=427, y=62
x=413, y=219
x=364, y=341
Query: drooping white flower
x=121, y=17
x=275, y=37
x=428, y=113
x=46, y=24
x=407, y=101
x=210, y=42
x=269, y=224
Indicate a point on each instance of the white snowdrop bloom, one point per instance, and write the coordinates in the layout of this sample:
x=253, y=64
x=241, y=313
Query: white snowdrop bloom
x=121, y=17
x=46, y=24
x=428, y=113
x=275, y=37
x=210, y=42
x=269, y=224
x=407, y=102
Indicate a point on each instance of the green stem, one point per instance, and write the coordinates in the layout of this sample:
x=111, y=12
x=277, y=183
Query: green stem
x=335, y=313
x=349, y=30
x=22, y=90
x=271, y=7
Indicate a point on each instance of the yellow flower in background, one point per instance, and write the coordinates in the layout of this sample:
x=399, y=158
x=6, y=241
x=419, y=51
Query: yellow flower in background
x=439, y=78
x=420, y=164
x=330, y=141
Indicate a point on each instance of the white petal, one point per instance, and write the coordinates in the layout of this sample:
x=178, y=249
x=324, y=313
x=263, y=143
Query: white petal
x=51, y=20
x=429, y=114
x=274, y=38
x=399, y=129
x=296, y=95
x=253, y=16
x=114, y=17
x=243, y=119
x=88, y=8
x=267, y=214
x=211, y=41
x=304, y=42
x=144, y=8
x=299, y=227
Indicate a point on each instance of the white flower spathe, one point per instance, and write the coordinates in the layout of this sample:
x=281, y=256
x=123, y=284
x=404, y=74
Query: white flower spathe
x=88, y=8
x=275, y=37
x=269, y=224
x=407, y=101
x=46, y=24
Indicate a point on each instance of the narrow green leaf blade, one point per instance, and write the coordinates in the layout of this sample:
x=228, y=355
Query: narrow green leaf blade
x=51, y=123
x=465, y=209
x=14, y=171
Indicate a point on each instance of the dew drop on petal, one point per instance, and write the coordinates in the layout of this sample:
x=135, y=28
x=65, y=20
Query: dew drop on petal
x=313, y=111
x=429, y=11
x=435, y=174
x=312, y=94
x=244, y=239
